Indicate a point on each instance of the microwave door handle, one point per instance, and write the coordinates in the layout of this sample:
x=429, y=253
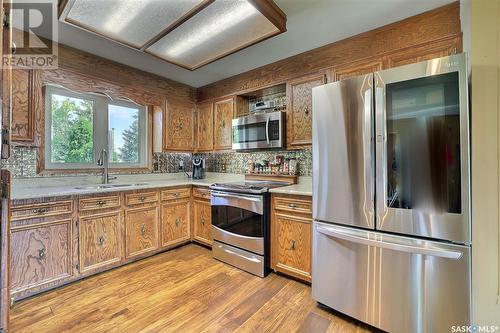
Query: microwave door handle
x=267, y=130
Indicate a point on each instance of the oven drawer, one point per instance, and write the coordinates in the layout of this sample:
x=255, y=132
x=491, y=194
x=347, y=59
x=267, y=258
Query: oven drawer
x=253, y=244
x=244, y=260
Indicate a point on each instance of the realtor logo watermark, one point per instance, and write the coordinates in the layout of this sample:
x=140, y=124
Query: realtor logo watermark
x=34, y=35
x=475, y=329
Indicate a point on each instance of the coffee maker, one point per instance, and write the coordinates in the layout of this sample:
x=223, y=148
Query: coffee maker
x=198, y=168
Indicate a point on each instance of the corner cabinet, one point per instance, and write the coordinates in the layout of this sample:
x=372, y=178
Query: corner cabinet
x=291, y=236
x=179, y=125
x=204, y=127
x=223, y=117
x=299, y=110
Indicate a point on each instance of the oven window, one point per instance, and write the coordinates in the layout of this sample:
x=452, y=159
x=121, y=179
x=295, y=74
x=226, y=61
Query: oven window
x=238, y=221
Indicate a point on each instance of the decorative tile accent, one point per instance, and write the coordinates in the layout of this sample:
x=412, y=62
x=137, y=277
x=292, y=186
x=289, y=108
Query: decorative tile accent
x=22, y=163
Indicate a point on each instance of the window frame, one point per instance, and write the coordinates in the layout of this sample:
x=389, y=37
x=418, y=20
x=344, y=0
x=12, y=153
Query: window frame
x=100, y=121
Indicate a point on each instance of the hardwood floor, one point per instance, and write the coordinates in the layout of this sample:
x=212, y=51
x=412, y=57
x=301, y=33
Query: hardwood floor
x=183, y=290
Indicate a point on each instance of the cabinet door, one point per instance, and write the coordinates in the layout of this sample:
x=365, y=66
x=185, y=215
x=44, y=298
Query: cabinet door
x=299, y=117
x=202, y=220
x=223, y=117
x=352, y=69
x=100, y=240
x=293, y=246
x=179, y=126
x=175, y=223
x=141, y=230
x=40, y=254
x=436, y=49
x=205, y=126
x=26, y=101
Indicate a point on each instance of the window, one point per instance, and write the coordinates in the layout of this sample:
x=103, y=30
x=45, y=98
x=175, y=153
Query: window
x=79, y=126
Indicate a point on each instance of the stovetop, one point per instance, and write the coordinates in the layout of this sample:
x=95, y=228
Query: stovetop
x=254, y=187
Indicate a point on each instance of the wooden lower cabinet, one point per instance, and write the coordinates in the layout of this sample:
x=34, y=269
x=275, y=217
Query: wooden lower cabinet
x=291, y=239
x=202, y=221
x=175, y=226
x=100, y=241
x=141, y=230
x=40, y=254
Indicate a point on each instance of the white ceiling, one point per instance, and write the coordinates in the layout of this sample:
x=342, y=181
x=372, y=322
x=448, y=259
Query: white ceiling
x=310, y=24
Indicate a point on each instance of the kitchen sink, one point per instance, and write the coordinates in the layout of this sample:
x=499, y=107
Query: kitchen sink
x=107, y=186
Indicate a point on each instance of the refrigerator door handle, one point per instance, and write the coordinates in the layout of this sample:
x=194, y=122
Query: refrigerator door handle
x=434, y=251
x=267, y=131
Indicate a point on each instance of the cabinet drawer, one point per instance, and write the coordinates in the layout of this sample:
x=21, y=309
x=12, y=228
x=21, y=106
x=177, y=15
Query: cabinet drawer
x=201, y=193
x=41, y=210
x=290, y=204
x=140, y=198
x=40, y=254
x=176, y=193
x=111, y=201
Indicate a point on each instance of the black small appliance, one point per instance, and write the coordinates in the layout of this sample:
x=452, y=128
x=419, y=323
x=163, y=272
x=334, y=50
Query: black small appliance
x=198, y=168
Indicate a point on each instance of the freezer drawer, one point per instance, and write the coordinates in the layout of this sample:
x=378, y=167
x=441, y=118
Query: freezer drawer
x=395, y=283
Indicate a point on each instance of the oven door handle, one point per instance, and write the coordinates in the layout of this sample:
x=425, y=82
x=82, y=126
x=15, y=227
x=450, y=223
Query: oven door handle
x=267, y=130
x=237, y=196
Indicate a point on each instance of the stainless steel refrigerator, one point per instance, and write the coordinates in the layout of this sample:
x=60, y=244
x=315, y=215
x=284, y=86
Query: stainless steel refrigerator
x=391, y=188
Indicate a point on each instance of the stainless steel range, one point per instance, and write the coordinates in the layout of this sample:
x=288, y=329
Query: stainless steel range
x=240, y=224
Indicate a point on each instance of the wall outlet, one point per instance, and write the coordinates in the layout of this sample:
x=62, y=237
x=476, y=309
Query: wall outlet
x=181, y=165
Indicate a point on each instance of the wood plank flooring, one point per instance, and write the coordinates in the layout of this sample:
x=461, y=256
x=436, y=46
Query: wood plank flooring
x=183, y=290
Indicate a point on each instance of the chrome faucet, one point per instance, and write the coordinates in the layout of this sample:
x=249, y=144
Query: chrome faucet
x=104, y=162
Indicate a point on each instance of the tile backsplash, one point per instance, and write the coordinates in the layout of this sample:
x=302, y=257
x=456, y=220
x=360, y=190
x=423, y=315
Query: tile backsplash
x=22, y=162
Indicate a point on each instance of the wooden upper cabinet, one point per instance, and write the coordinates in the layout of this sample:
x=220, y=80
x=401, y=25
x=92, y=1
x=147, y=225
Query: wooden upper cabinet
x=179, y=124
x=436, y=49
x=141, y=230
x=356, y=68
x=299, y=110
x=100, y=240
x=223, y=117
x=40, y=254
x=205, y=127
x=26, y=104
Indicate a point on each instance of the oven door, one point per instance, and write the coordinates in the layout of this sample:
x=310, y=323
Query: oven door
x=238, y=220
x=258, y=131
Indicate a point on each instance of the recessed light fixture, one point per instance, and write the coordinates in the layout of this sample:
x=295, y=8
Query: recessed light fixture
x=189, y=33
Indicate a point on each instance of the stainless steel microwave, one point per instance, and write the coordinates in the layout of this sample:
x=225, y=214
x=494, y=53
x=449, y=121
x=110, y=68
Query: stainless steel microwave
x=259, y=131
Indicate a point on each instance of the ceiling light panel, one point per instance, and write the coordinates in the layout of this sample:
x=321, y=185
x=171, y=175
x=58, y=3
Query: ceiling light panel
x=221, y=28
x=132, y=22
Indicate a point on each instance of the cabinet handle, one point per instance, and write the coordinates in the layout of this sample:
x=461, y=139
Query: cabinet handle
x=223, y=123
x=177, y=222
x=202, y=221
x=143, y=230
x=40, y=210
x=41, y=254
x=293, y=206
x=100, y=203
x=292, y=245
x=176, y=194
x=142, y=199
x=306, y=111
x=100, y=240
